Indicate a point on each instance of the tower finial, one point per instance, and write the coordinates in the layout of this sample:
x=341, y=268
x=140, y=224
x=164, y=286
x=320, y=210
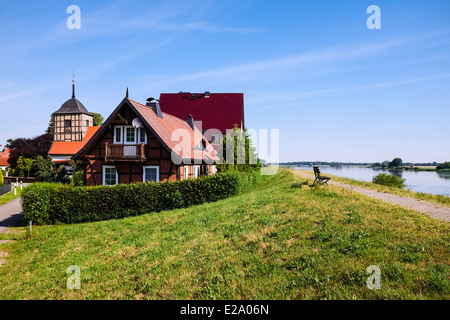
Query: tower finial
x=73, y=84
x=127, y=93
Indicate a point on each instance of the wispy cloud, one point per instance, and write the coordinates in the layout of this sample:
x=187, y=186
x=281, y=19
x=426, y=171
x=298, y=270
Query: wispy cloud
x=15, y=95
x=327, y=55
x=296, y=99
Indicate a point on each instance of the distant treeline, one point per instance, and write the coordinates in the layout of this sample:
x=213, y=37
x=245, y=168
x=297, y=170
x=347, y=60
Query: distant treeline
x=338, y=164
x=324, y=163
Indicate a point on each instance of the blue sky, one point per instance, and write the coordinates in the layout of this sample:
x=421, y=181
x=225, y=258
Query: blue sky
x=336, y=90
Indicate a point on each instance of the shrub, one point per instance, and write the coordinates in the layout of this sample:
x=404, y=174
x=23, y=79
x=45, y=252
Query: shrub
x=50, y=203
x=77, y=179
x=389, y=180
x=1, y=177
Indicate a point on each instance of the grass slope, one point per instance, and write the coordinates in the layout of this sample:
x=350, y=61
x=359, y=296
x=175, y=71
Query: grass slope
x=279, y=241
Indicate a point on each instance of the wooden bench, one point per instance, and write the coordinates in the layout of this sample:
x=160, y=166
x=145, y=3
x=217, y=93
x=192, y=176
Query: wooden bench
x=320, y=179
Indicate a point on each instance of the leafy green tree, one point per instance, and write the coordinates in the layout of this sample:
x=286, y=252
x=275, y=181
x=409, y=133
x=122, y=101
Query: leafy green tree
x=397, y=162
x=385, y=164
x=97, y=119
x=23, y=167
x=237, y=153
x=1, y=178
x=8, y=144
x=43, y=168
x=442, y=166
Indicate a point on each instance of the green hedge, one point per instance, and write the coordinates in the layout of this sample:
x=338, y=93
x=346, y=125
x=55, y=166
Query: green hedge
x=52, y=203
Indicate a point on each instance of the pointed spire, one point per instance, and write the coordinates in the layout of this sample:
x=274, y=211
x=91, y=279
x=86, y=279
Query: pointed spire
x=127, y=93
x=73, y=84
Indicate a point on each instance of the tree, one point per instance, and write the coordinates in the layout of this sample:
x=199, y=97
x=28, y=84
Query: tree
x=8, y=144
x=97, y=119
x=51, y=126
x=30, y=148
x=397, y=162
x=244, y=157
x=385, y=164
x=1, y=177
x=27, y=163
x=43, y=168
x=442, y=166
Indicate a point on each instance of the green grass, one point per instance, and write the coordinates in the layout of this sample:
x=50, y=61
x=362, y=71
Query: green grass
x=438, y=199
x=282, y=240
x=9, y=196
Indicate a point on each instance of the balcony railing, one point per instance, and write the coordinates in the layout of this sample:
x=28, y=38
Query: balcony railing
x=125, y=152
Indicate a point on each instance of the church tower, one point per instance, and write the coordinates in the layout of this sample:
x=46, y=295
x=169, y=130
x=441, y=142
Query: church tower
x=72, y=120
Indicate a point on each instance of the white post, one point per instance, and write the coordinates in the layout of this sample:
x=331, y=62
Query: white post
x=20, y=185
x=14, y=189
x=30, y=226
x=17, y=182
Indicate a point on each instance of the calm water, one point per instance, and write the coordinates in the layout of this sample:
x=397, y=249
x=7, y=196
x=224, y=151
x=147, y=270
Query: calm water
x=420, y=181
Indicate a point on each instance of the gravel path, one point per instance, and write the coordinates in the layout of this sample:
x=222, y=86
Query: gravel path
x=431, y=209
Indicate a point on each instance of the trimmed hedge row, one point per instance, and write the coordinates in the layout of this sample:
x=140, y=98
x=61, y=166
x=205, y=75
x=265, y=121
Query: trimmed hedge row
x=52, y=203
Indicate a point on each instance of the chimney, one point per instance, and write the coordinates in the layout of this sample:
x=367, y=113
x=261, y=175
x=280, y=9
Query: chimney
x=154, y=104
x=207, y=93
x=190, y=121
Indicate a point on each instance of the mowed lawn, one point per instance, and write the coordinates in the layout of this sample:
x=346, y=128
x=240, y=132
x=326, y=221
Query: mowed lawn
x=280, y=241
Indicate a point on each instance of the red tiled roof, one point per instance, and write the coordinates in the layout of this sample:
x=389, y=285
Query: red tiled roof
x=70, y=148
x=220, y=111
x=166, y=126
x=4, y=156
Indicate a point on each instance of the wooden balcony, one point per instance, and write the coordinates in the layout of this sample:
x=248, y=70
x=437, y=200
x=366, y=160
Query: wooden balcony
x=125, y=152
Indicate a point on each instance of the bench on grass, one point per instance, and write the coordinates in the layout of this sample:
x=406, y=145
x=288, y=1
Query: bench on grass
x=319, y=178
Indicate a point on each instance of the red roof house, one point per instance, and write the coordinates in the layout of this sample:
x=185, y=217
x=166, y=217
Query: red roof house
x=4, y=157
x=139, y=143
x=219, y=111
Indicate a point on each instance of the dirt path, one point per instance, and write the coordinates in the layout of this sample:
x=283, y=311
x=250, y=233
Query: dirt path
x=431, y=209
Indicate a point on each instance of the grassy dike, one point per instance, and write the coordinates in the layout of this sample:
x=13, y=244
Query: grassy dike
x=438, y=199
x=280, y=240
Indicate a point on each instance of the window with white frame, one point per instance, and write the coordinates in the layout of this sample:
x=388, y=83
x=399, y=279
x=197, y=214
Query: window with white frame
x=196, y=171
x=213, y=169
x=129, y=135
x=118, y=135
x=150, y=173
x=185, y=172
x=110, y=176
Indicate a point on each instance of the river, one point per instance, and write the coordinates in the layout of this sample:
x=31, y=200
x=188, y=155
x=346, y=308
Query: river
x=420, y=181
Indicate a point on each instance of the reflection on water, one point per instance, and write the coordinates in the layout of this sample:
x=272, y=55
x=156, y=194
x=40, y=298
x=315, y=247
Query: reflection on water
x=444, y=175
x=420, y=181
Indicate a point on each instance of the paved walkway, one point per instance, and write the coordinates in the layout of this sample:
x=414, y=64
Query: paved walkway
x=429, y=208
x=10, y=213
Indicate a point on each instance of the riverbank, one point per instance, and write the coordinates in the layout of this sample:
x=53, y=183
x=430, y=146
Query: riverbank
x=438, y=199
